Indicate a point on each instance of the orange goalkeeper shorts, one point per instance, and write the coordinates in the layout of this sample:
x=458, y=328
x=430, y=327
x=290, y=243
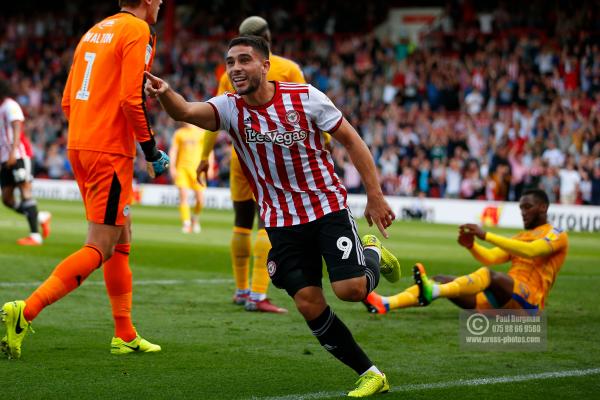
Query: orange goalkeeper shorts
x=105, y=181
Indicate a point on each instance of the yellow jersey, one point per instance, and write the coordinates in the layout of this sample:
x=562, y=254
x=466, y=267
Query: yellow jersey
x=188, y=141
x=539, y=273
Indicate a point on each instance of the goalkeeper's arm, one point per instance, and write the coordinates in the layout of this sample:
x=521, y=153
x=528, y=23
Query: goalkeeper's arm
x=158, y=160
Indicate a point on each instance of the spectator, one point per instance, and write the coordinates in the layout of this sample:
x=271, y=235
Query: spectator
x=595, y=178
x=453, y=179
x=585, y=187
x=552, y=155
x=569, y=183
x=55, y=162
x=474, y=102
x=550, y=183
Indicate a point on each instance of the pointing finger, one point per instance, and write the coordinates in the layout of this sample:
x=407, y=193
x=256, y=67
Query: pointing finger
x=382, y=229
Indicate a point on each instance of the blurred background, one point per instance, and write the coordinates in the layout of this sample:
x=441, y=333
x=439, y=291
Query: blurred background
x=455, y=99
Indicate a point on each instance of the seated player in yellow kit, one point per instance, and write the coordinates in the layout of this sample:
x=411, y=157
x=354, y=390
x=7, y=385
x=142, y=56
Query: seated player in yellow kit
x=536, y=255
x=186, y=147
x=254, y=298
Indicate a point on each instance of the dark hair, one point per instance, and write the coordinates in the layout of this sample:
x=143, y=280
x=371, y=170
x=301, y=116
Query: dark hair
x=256, y=42
x=129, y=3
x=5, y=89
x=538, y=194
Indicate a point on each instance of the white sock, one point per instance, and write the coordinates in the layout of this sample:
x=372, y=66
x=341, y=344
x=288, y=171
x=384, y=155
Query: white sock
x=375, y=249
x=43, y=216
x=435, y=291
x=373, y=369
x=254, y=296
x=36, y=236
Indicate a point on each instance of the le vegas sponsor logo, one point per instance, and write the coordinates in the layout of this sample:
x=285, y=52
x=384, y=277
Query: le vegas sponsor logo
x=286, y=138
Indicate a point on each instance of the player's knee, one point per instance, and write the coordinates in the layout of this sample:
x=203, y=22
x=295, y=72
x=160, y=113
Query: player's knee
x=8, y=201
x=126, y=234
x=107, y=251
x=351, y=291
x=443, y=278
x=494, y=276
x=310, y=308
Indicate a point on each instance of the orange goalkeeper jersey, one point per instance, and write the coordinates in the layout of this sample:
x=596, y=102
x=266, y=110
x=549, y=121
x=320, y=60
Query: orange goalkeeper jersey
x=103, y=98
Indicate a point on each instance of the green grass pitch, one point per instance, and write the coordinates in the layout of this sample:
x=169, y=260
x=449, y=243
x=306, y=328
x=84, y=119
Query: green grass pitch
x=213, y=349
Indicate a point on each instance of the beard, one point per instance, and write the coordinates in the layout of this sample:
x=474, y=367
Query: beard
x=253, y=84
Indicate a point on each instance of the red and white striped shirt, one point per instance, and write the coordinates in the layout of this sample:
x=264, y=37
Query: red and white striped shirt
x=282, y=152
x=10, y=111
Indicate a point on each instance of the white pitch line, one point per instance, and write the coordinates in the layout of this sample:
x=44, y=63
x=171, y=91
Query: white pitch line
x=135, y=282
x=444, y=385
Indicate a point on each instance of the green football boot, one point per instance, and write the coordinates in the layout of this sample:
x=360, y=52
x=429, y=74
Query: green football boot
x=369, y=384
x=424, y=283
x=389, y=264
x=138, y=345
x=16, y=328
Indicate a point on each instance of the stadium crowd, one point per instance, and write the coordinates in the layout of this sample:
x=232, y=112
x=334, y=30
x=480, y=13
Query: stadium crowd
x=484, y=107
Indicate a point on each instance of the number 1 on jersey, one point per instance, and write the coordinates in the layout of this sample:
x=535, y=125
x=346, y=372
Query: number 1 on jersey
x=83, y=94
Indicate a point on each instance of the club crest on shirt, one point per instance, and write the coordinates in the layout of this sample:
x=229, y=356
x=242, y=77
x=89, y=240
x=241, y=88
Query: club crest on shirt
x=292, y=116
x=271, y=268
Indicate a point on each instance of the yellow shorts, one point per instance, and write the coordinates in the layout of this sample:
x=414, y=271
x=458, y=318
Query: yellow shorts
x=238, y=184
x=186, y=179
x=524, y=297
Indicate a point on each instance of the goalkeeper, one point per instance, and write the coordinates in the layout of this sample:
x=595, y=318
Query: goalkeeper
x=536, y=255
x=104, y=104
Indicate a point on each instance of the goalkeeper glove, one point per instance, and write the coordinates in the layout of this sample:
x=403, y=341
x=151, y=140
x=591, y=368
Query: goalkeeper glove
x=159, y=166
x=157, y=161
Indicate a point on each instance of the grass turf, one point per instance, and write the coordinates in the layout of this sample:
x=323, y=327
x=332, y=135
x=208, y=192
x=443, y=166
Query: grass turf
x=213, y=349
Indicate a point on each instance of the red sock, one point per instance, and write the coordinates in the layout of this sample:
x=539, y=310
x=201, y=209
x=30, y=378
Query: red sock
x=118, y=280
x=66, y=277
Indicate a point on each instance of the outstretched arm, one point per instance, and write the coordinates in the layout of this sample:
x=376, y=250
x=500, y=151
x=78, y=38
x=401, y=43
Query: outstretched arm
x=482, y=254
x=201, y=114
x=377, y=209
x=536, y=248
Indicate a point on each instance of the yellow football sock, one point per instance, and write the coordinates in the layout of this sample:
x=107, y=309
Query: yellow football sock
x=198, y=208
x=184, y=211
x=407, y=298
x=470, y=284
x=240, y=256
x=260, y=275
